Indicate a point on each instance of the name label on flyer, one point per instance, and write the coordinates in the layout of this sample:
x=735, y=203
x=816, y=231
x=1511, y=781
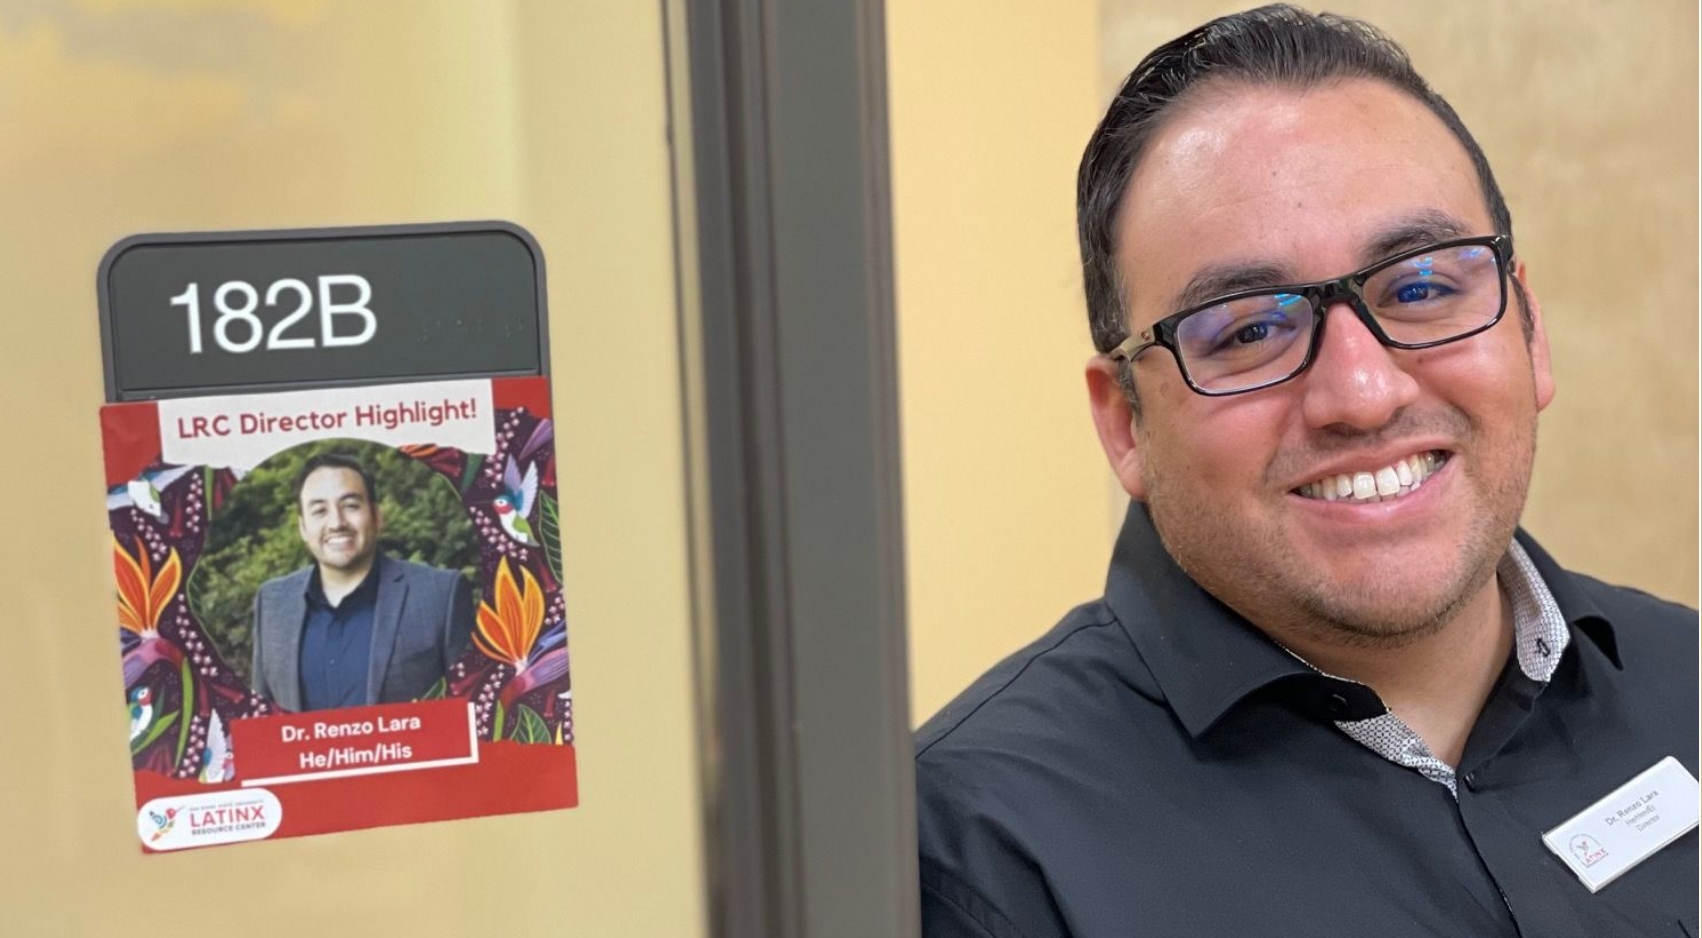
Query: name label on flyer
x=241, y=431
x=299, y=747
x=1626, y=827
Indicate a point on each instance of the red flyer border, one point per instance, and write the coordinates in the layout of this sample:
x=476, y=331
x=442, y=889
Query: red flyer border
x=510, y=778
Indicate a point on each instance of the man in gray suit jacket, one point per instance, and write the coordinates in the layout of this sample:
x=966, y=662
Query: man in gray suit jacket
x=356, y=627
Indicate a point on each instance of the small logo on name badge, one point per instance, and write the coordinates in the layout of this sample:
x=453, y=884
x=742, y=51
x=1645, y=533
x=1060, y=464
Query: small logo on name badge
x=219, y=817
x=1587, y=849
x=163, y=823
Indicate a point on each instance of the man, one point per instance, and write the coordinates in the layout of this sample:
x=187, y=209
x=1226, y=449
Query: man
x=1329, y=689
x=356, y=627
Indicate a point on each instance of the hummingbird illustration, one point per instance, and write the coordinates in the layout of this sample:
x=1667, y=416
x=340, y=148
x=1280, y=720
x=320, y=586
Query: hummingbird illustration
x=217, y=762
x=515, y=503
x=163, y=823
x=141, y=711
x=144, y=491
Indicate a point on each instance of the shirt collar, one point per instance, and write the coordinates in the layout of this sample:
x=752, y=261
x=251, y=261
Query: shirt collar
x=1206, y=658
x=1575, y=605
x=1540, y=635
x=368, y=588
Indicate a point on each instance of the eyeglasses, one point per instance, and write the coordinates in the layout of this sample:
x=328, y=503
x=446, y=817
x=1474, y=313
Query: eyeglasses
x=1253, y=339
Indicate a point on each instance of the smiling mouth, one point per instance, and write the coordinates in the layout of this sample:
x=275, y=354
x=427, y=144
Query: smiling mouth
x=1393, y=481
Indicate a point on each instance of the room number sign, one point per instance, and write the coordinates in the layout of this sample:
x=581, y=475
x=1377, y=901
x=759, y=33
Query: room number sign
x=187, y=314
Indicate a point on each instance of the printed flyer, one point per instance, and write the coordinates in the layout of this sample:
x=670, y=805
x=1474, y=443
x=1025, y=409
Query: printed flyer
x=339, y=608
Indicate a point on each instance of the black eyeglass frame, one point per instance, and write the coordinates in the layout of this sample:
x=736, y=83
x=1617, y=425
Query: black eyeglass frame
x=1322, y=295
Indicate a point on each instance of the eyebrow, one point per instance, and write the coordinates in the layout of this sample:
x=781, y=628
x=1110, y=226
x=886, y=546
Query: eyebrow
x=1220, y=279
x=312, y=502
x=1412, y=231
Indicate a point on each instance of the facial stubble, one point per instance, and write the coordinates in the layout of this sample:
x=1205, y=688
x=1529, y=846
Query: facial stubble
x=1256, y=573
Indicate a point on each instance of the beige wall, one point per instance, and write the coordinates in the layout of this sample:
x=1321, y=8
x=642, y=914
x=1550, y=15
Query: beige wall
x=123, y=116
x=1587, y=111
x=1004, y=485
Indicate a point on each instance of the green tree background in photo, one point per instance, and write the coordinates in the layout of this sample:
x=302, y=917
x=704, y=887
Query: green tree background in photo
x=254, y=536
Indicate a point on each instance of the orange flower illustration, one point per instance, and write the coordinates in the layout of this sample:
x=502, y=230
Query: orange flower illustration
x=143, y=596
x=509, y=632
x=508, y=629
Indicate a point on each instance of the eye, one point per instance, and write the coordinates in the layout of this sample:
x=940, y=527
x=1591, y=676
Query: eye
x=1249, y=334
x=1420, y=290
x=1261, y=329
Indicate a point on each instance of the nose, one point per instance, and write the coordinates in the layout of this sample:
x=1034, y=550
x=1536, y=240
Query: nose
x=1354, y=383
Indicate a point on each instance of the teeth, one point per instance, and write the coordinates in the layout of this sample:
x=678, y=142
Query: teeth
x=1385, y=484
x=1364, y=485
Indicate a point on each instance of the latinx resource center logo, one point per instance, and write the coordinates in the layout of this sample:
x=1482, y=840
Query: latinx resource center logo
x=1587, y=849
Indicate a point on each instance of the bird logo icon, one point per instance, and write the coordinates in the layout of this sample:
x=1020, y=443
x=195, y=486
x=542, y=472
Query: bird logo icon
x=217, y=762
x=143, y=492
x=141, y=711
x=163, y=823
x=519, y=494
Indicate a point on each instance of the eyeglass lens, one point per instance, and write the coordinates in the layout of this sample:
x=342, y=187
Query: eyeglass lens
x=1257, y=340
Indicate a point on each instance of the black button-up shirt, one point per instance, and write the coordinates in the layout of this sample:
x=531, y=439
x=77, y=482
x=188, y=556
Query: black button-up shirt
x=1157, y=766
x=336, y=645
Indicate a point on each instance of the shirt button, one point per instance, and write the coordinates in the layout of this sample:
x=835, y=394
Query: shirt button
x=1337, y=705
x=1542, y=647
x=1471, y=780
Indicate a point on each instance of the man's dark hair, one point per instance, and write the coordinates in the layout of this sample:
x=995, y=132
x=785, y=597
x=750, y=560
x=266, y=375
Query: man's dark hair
x=336, y=461
x=1272, y=45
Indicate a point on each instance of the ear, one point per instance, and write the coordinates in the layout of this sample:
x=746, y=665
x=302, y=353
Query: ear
x=1115, y=422
x=1540, y=371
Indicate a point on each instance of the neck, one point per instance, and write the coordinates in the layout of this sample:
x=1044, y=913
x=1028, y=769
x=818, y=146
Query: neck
x=337, y=584
x=1437, y=683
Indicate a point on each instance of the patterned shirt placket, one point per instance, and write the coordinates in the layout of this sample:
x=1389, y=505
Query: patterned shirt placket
x=1540, y=636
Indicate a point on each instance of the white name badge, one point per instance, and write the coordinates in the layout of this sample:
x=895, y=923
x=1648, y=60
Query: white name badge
x=1625, y=828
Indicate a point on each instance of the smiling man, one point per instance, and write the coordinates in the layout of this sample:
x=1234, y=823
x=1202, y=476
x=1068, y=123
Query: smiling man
x=1330, y=689
x=355, y=627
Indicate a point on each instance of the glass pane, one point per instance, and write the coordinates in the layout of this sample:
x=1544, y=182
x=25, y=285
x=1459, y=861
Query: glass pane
x=129, y=116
